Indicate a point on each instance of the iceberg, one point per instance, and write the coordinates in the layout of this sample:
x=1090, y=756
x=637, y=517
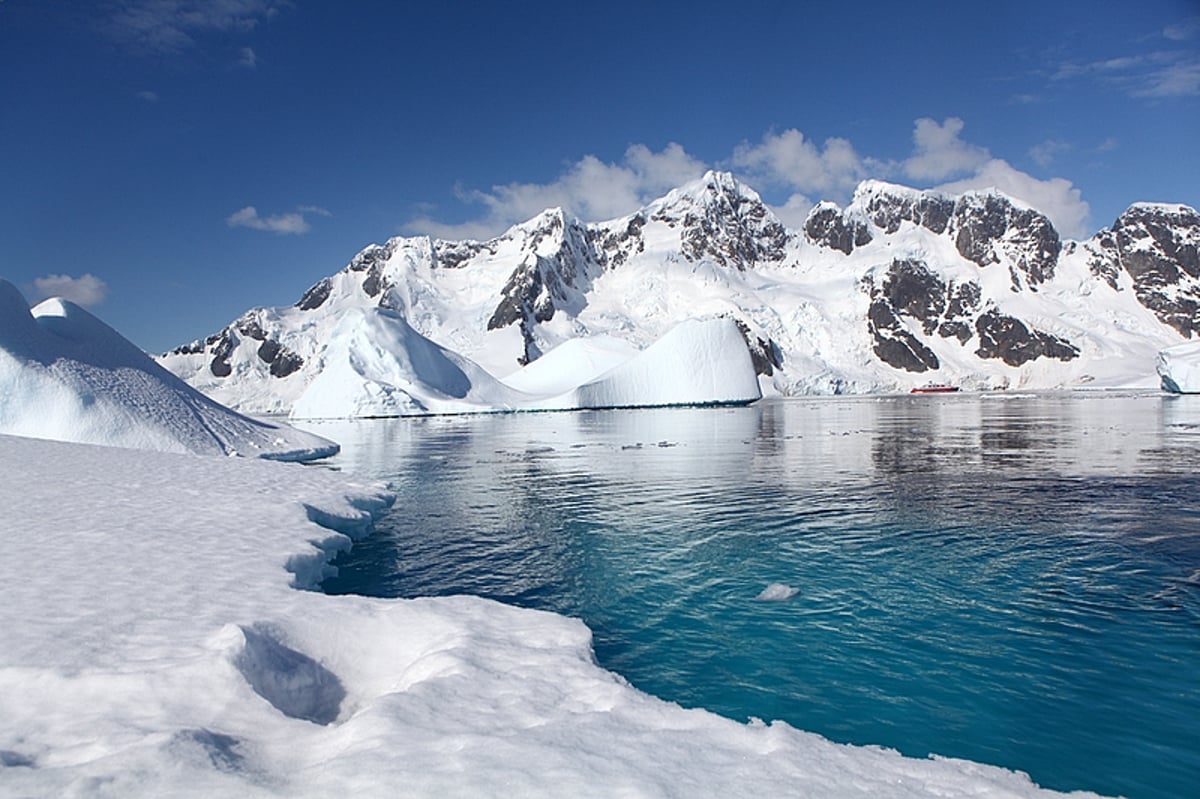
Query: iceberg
x=162, y=645
x=698, y=362
x=67, y=376
x=375, y=364
x=1179, y=368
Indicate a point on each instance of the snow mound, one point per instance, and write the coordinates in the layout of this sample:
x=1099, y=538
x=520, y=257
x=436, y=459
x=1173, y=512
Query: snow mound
x=376, y=364
x=66, y=375
x=1179, y=368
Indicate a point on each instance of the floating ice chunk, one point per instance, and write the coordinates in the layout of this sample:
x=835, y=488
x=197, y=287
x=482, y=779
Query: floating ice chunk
x=1179, y=368
x=777, y=592
x=698, y=362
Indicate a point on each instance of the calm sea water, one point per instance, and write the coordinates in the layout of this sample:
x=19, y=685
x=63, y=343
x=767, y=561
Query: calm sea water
x=1009, y=579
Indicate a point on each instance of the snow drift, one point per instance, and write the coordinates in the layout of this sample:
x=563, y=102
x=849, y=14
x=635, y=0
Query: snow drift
x=1179, y=368
x=376, y=364
x=65, y=375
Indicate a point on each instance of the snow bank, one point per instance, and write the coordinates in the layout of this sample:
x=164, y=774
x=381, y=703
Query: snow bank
x=67, y=376
x=1179, y=368
x=376, y=364
x=160, y=647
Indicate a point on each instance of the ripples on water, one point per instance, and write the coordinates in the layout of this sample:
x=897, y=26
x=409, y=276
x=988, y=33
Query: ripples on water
x=1014, y=580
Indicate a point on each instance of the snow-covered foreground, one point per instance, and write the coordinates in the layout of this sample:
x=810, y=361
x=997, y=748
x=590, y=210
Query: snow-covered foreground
x=156, y=642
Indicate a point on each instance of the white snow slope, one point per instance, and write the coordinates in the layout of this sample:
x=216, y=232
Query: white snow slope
x=158, y=645
x=1179, y=368
x=712, y=249
x=65, y=375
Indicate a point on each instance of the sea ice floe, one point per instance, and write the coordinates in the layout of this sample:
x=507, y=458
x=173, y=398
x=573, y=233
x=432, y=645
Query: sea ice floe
x=777, y=592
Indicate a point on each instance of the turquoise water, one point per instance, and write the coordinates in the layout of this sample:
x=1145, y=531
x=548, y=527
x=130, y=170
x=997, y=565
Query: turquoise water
x=1013, y=580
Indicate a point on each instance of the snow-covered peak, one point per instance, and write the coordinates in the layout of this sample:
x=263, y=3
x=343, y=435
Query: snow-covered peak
x=871, y=188
x=714, y=187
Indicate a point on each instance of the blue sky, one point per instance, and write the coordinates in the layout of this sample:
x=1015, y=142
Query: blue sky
x=172, y=163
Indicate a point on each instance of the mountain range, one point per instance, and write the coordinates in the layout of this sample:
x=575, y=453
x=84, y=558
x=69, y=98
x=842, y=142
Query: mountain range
x=899, y=287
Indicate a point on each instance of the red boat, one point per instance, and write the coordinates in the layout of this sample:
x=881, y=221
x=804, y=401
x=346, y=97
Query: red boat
x=935, y=388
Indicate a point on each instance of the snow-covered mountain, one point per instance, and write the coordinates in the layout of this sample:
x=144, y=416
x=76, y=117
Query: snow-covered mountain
x=67, y=376
x=898, y=288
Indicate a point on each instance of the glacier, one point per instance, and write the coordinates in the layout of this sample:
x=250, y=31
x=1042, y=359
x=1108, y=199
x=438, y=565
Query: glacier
x=165, y=645
x=1179, y=368
x=66, y=375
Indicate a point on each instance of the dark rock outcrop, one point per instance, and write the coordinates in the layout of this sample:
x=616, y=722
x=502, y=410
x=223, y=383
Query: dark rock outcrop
x=1159, y=246
x=887, y=206
x=988, y=229
x=1012, y=341
x=727, y=223
x=828, y=226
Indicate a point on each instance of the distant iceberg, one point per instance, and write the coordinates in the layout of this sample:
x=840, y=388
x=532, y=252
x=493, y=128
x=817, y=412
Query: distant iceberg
x=376, y=364
x=1179, y=368
x=67, y=376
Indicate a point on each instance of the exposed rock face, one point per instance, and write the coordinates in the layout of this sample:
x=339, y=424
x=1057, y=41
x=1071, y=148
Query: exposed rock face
x=828, y=226
x=726, y=222
x=619, y=244
x=316, y=295
x=372, y=260
x=887, y=206
x=764, y=353
x=1012, y=341
x=910, y=289
x=988, y=229
x=1159, y=246
x=544, y=283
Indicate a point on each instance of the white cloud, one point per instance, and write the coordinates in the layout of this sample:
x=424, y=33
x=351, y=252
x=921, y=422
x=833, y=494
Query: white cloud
x=87, y=289
x=1182, y=31
x=1057, y=198
x=171, y=26
x=589, y=188
x=789, y=159
x=940, y=153
x=1161, y=74
x=148, y=96
x=794, y=212
x=293, y=223
x=788, y=162
x=1181, y=79
x=1045, y=153
x=248, y=58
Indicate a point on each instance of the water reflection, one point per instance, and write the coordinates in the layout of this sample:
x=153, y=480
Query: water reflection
x=983, y=576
